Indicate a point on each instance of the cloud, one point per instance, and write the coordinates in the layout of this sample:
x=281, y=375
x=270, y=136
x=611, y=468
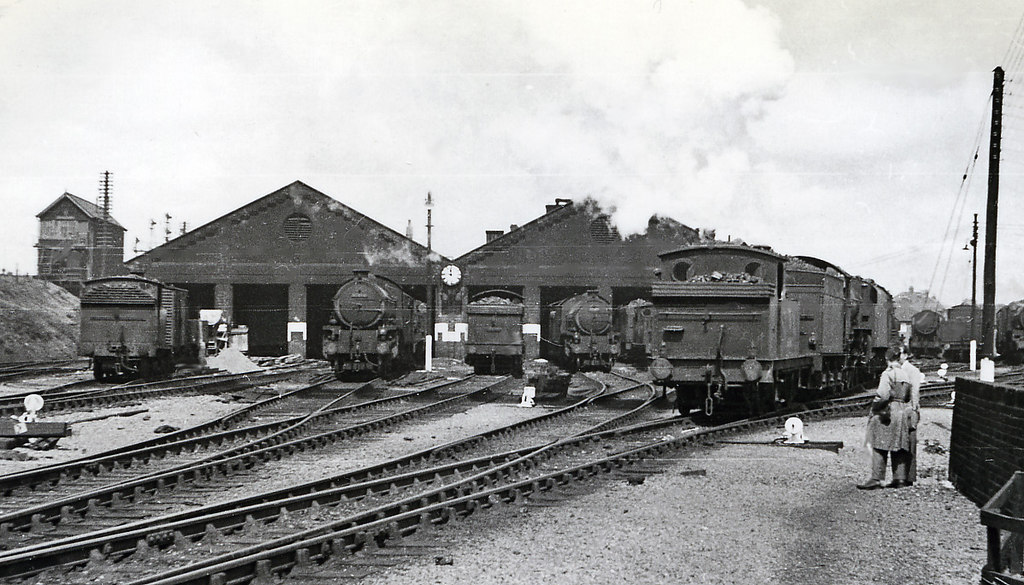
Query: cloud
x=795, y=128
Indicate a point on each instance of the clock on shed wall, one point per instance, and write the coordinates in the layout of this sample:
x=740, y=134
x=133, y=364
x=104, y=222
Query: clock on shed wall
x=451, y=275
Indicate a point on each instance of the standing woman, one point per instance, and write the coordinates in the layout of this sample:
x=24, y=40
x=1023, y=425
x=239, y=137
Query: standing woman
x=889, y=426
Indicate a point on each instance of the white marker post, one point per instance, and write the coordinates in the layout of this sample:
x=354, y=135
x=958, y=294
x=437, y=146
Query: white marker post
x=428, y=361
x=988, y=370
x=974, y=355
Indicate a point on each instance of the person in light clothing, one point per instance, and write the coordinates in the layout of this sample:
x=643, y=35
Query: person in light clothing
x=889, y=425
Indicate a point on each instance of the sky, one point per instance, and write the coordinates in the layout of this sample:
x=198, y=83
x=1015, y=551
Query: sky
x=841, y=130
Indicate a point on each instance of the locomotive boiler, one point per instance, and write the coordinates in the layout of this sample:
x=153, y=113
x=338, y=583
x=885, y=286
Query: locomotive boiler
x=135, y=326
x=924, y=333
x=582, y=327
x=375, y=328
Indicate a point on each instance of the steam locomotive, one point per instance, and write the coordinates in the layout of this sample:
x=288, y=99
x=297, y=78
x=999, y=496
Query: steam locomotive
x=738, y=330
x=375, y=328
x=134, y=326
x=1010, y=332
x=924, y=333
x=494, y=335
x=582, y=327
x=948, y=336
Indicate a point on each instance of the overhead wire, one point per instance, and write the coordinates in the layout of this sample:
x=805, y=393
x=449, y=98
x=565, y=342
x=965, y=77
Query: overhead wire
x=959, y=204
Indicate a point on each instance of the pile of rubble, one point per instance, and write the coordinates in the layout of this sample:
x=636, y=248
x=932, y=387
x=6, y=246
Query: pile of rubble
x=268, y=362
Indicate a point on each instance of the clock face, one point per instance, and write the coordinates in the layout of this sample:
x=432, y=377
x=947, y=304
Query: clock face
x=451, y=275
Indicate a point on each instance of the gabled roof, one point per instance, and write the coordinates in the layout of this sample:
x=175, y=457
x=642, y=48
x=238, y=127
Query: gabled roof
x=511, y=237
x=91, y=210
x=294, y=189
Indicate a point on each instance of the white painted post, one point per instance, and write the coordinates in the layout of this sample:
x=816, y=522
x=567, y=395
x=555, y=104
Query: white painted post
x=429, y=365
x=988, y=370
x=974, y=355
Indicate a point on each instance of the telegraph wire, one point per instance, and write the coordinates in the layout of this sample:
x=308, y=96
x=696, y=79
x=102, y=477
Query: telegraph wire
x=959, y=204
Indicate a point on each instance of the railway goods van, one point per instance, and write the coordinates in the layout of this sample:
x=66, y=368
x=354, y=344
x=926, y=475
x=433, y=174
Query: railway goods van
x=132, y=325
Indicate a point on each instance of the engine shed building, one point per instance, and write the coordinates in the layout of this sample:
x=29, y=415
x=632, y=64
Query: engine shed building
x=572, y=248
x=275, y=264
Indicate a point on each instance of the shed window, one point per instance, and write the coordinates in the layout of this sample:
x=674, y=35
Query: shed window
x=297, y=227
x=681, y=271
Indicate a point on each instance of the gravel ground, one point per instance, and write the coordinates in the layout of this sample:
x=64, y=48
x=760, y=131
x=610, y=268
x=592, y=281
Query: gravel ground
x=94, y=436
x=762, y=514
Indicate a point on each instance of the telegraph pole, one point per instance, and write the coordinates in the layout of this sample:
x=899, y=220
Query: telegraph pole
x=432, y=276
x=429, y=204
x=104, y=241
x=974, y=280
x=988, y=313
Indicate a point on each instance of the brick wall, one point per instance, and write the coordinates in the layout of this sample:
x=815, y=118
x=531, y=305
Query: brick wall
x=987, y=441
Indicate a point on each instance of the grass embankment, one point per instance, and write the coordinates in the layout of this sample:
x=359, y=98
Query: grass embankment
x=38, y=320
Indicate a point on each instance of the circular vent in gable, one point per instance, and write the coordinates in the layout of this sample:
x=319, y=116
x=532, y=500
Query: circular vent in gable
x=297, y=227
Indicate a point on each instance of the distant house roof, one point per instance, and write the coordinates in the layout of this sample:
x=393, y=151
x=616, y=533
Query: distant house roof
x=91, y=210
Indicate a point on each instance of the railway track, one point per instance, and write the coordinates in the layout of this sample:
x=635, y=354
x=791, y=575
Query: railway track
x=638, y=450
x=14, y=370
x=72, y=396
x=312, y=529
x=262, y=418
x=458, y=449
